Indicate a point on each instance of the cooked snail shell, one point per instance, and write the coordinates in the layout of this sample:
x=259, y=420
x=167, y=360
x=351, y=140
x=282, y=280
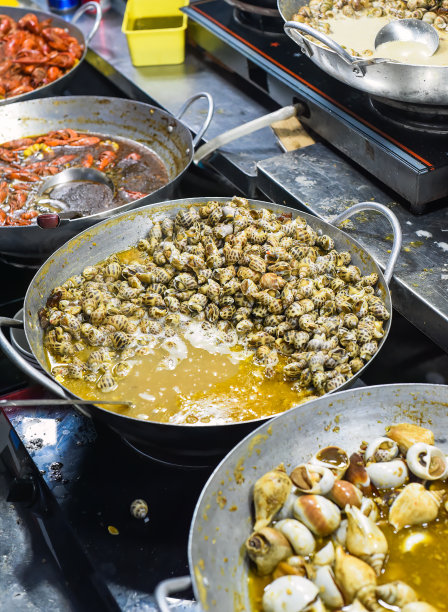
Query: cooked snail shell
x=370, y=509
x=426, y=461
x=328, y=589
x=344, y=492
x=318, y=513
x=388, y=475
x=299, y=536
x=270, y=493
x=340, y=535
x=418, y=606
x=357, y=473
x=286, y=510
x=333, y=458
x=292, y=566
x=289, y=594
x=354, y=577
x=381, y=449
x=365, y=539
x=267, y=547
x=325, y=556
x=407, y=434
x=414, y=506
x=396, y=593
x=310, y=478
x=356, y=606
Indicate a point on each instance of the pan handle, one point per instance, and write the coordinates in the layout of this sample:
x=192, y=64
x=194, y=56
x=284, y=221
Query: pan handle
x=211, y=109
x=358, y=65
x=166, y=587
x=98, y=16
x=396, y=247
x=21, y=363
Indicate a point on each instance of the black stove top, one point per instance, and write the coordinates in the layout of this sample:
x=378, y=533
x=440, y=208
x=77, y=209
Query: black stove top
x=411, y=158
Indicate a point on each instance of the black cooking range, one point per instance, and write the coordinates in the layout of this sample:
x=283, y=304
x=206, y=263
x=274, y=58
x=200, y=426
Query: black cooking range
x=404, y=145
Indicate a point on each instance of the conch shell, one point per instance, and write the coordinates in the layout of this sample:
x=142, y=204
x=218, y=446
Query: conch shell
x=396, y=593
x=426, y=461
x=325, y=556
x=357, y=473
x=298, y=535
x=334, y=458
x=344, y=492
x=292, y=566
x=328, y=589
x=355, y=578
x=267, y=548
x=365, y=539
x=414, y=506
x=310, y=478
x=289, y=593
x=381, y=449
x=270, y=493
x=318, y=513
x=407, y=434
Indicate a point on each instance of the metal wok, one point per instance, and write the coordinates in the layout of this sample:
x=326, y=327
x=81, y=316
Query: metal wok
x=163, y=133
x=222, y=518
x=60, y=83
x=118, y=234
x=379, y=77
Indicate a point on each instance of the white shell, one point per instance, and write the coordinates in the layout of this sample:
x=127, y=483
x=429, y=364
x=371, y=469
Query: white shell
x=318, y=513
x=338, y=470
x=419, y=458
x=299, y=536
x=381, y=449
x=322, y=477
x=388, y=475
x=328, y=589
x=289, y=594
x=340, y=535
x=370, y=509
x=356, y=606
x=325, y=556
x=286, y=510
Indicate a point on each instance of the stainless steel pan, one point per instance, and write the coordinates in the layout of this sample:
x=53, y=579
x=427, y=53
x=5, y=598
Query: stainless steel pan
x=60, y=83
x=163, y=133
x=222, y=519
x=117, y=234
x=379, y=77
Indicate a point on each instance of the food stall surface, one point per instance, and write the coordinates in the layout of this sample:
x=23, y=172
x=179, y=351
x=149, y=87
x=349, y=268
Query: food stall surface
x=88, y=477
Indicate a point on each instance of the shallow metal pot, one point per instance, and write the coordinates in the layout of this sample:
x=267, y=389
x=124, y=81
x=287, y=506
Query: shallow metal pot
x=222, y=520
x=185, y=442
x=57, y=22
x=380, y=77
x=157, y=129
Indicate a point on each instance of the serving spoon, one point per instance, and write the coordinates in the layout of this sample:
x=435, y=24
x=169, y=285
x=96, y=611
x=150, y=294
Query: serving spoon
x=409, y=30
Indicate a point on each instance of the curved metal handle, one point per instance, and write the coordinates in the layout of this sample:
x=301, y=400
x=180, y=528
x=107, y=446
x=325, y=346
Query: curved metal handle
x=211, y=109
x=165, y=588
x=21, y=363
x=96, y=6
x=396, y=247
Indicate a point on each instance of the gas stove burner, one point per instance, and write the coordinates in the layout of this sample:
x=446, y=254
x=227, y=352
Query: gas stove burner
x=260, y=16
x=433, y=119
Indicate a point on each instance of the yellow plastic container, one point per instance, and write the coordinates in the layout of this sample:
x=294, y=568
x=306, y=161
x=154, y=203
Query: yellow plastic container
x=155, y=31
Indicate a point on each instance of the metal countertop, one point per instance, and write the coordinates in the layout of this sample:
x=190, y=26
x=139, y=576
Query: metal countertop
x=314, y=178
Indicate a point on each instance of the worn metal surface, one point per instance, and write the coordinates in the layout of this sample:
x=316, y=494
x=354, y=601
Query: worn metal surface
x=222, y=520
x=118, y=234
x=317, y=180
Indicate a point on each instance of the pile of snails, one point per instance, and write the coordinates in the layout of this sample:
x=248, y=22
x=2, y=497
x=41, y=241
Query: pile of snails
x=317, y=13
x=317, y=532
x=270, y=283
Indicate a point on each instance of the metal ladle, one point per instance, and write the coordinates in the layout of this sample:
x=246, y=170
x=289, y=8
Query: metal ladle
x=409, y=30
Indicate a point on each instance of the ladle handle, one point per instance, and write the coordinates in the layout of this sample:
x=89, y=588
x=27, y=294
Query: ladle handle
x=166, y=587
x=398, y=237
x=358, y=64
x=211, y=109
x=98, y=16
x=21, y=363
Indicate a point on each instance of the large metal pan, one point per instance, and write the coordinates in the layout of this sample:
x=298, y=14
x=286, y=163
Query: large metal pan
x=163, y=133
x=117, y=234
x=380, y=77
x=222, y=519
x=60, y=83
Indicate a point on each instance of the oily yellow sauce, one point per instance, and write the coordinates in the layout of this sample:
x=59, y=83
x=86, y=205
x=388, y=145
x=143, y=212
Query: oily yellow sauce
x=418, y=556
x=358, y=34
x=190, y=384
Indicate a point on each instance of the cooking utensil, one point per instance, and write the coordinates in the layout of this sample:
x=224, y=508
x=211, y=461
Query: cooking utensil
x=222, y=518
x=58, y=402
x=160, y=131
x=60, y=83
x=409, y=30
x=377, y=76
x=117, y=234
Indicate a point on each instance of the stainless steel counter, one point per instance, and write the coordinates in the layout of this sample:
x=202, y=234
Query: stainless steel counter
x=315, y=178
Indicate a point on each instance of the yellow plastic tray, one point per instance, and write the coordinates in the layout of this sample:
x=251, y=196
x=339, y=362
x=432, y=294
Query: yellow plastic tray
x=162, y=41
